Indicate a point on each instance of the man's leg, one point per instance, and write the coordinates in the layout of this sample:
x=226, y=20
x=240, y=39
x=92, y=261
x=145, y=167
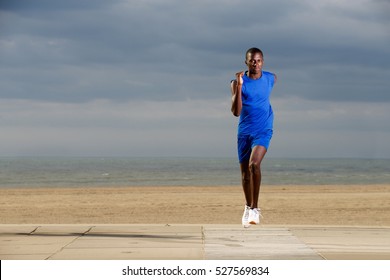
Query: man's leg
x=246, y=182
x=257, y=155
x=246, y=186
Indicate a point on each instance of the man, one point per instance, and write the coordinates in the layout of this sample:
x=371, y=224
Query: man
x=250, y=101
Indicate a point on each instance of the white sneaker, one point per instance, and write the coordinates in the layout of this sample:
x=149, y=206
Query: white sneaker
x=245, y=217
x=254, y=216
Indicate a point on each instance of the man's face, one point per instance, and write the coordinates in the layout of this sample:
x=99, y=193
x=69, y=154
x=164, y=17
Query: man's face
x=254, y=61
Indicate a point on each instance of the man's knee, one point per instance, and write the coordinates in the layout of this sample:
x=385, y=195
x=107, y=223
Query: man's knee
x=254, y=167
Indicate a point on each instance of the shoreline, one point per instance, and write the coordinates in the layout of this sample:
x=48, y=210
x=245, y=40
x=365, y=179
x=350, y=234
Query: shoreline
x=347, y=205
x=264, y=187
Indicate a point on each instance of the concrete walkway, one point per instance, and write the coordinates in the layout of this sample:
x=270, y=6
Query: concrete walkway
x=209, y=241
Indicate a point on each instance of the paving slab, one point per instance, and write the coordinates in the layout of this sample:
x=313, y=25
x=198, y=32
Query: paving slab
x=129, y=253
x=235, y=242
x=36, y=241
x=351, y=243
x=187, y=242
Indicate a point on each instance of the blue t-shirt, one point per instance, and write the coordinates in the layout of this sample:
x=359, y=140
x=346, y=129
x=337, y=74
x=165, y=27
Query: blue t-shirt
x=256, y=114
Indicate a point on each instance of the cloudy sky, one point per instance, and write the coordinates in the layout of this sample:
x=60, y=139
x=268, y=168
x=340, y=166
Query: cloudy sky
x=151, y=77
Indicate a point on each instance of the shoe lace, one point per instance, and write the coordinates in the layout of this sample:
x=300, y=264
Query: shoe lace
x=258, y=212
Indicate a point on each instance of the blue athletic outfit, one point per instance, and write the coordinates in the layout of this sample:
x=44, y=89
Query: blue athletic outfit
x=255, y=126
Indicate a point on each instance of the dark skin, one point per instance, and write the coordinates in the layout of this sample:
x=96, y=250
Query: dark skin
x=250, y=170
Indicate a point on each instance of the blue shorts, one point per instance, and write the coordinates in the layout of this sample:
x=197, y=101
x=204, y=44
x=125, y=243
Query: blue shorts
x=245, y=144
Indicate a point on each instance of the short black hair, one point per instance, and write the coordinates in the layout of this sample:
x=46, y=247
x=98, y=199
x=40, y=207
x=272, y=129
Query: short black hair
x=254, y=50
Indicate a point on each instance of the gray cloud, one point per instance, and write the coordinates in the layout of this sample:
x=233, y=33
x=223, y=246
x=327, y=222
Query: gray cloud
x=57, y=54
x=92, y=49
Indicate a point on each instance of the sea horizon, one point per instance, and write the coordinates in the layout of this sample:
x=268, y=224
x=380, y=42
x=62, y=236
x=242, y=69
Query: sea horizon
x=90, y=171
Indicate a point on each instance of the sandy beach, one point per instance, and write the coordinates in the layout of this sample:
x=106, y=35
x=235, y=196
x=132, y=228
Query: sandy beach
x=352, y=205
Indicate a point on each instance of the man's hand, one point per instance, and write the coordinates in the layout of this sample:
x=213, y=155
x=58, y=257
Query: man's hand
x=239, y=79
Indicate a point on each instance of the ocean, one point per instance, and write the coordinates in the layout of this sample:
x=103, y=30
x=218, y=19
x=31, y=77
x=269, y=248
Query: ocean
x=115, y=171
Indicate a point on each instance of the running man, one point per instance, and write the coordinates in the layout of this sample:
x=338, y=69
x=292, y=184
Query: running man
x=250, y=101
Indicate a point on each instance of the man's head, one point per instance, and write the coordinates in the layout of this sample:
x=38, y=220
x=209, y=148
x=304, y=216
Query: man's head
x=254, y=60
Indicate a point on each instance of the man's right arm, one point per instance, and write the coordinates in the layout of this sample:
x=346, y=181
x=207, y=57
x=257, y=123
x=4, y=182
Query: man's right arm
x=236, y=87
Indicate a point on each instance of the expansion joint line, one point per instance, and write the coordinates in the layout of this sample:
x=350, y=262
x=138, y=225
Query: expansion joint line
x=203, y=243
x=72, y=241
